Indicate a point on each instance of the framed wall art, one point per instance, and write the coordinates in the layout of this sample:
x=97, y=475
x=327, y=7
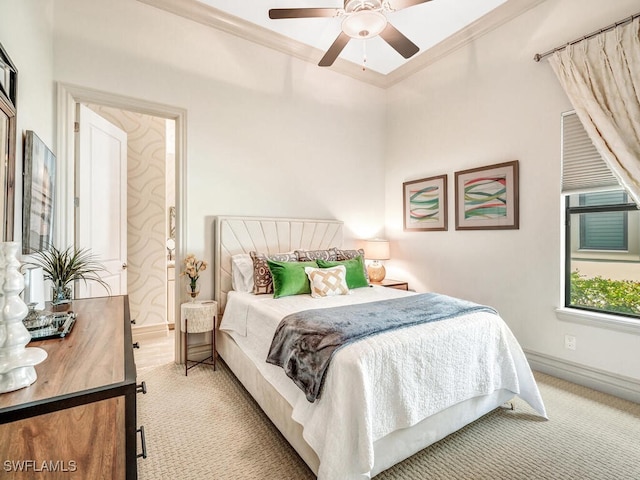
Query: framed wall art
x=8, y=96
x=487, y=197
x=425, y=204
x=39, y=192
x=172, y=222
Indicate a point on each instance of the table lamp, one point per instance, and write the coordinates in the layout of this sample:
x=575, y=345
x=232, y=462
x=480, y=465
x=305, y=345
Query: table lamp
x=376, y=249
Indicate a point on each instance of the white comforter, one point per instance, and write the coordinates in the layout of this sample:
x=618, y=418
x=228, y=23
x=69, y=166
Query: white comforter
x=385, y=382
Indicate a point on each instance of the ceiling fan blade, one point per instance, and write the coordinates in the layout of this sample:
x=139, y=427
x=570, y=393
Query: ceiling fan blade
x=277, y=13
x=400, y=4
x=334, y=50
x=399, y=42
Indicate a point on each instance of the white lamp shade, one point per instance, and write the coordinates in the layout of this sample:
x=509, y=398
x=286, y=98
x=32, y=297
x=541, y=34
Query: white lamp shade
x=376, y=249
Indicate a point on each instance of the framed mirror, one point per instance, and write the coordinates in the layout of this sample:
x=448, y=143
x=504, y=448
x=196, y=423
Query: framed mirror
x=8, y=96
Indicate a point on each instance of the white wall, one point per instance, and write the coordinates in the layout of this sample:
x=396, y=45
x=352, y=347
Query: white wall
x=26, y=34
x=489, y=102
x=266, y=134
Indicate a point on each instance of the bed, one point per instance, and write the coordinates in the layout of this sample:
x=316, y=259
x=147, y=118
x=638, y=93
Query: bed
x=375, y=410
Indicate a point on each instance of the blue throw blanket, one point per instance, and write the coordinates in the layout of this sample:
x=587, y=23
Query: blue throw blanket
x=305, y=342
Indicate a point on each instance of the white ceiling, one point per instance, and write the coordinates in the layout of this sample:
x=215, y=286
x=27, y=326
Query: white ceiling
x=437, y=27
x=425, y=25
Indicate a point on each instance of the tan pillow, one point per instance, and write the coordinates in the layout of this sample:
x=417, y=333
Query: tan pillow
x=327, y=282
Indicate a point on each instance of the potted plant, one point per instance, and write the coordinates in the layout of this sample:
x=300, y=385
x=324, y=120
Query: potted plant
x=63, y=267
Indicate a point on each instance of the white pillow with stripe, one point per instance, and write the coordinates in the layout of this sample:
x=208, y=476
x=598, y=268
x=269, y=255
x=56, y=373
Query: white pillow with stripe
x=327, y=282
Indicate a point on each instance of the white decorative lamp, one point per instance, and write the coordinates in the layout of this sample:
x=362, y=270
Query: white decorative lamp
x=376, y=250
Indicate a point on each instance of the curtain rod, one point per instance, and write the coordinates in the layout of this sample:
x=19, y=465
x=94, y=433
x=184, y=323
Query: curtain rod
x=539, y=56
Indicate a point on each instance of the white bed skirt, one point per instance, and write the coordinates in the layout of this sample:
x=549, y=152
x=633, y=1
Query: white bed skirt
x=389, y=450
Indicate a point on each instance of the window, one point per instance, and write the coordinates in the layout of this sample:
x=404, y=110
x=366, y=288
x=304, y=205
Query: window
x=602, y=235
x=603, y=230
x=602, y=253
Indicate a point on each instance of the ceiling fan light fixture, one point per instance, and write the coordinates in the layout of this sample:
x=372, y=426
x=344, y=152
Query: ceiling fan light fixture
x=364, y=24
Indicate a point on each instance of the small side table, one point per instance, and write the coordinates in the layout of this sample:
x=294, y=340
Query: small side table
x=198, y=317
x=389, y=283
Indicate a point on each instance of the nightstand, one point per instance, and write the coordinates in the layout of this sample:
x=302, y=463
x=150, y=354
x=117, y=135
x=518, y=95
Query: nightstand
x=198, y=317
x=398, y=284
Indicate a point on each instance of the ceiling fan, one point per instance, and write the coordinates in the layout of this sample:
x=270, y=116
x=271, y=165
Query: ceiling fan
x=361, y=19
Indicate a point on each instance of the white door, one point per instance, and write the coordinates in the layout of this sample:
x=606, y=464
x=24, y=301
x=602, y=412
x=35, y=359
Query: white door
x=101, y=200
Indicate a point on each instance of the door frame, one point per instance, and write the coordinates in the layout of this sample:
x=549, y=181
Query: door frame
x=67, y=97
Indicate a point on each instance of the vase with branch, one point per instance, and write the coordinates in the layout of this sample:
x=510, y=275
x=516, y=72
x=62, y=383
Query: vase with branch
x=192, y=269
x=63, y=267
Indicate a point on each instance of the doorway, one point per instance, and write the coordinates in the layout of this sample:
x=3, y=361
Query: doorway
x=68, y=97
x=149, y=193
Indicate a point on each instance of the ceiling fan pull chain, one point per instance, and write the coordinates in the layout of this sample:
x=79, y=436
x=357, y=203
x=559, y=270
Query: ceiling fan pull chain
x=364, y=55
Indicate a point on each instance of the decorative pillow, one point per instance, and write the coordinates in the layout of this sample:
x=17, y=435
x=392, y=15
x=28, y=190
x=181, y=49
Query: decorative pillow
x=330, y=254
x=262, y=280
x=327, y=282
x=242, y=272
x=354, y=268
x=289, y=278
x=349, y=254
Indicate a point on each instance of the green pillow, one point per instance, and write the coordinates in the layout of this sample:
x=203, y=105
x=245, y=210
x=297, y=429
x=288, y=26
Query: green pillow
x=289, y=278
x=355, y=270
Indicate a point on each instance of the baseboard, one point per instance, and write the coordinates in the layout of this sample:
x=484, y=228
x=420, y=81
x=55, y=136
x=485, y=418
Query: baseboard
x=618, y=385
x=155, y=330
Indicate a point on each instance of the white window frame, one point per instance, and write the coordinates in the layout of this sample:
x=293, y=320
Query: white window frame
x=574, y=136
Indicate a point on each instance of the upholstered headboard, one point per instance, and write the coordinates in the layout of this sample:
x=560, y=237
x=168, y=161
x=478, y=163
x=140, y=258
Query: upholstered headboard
x=266, y=235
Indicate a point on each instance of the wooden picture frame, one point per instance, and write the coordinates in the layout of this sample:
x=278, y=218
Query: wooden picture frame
x=487, y=197
x=39, y=195
x=8, y=111
x=425, y=204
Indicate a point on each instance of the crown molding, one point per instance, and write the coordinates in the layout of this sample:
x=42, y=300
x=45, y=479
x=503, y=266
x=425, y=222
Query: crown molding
x=483, y=25
x=212, y=17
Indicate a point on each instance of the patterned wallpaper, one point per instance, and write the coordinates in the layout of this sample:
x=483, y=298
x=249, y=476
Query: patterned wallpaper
x=146, y=216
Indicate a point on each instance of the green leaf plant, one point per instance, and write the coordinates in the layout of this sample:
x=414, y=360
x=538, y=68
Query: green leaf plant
x=65, y=266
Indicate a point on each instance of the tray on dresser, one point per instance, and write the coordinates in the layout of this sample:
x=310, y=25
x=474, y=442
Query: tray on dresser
x=50, y=325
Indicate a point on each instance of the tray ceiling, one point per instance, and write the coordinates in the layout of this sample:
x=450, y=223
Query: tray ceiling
x=437, y=27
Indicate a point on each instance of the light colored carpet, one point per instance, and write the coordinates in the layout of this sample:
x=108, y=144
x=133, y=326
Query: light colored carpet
x=206, y=426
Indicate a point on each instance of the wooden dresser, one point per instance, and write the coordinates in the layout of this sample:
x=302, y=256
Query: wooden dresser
x=78, y=420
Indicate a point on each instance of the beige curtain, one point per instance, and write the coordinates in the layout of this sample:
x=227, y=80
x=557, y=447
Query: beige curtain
x=601, y=77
